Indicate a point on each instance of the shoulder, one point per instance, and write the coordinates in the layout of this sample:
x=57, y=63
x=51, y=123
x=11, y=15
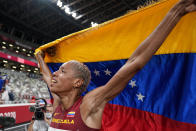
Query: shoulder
x=93, y=101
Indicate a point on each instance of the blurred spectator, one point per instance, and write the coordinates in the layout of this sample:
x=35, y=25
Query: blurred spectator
x=7, y=85
x=23, y=87
x=5, y=96
x=32, y=99
x=1, y=83
x=49, y=113
x=1, y=101
x=11, y=95
x=42, y=125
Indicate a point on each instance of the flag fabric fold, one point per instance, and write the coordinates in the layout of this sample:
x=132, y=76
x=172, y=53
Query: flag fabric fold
x=159, y=97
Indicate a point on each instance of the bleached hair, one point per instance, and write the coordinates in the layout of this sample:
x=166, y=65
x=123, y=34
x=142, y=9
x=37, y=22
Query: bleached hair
x=82, y=72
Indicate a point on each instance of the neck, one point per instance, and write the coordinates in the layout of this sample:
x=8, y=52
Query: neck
x=68, y=99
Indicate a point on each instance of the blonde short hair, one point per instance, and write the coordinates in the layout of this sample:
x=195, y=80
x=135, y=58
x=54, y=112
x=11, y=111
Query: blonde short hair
x=82, y=72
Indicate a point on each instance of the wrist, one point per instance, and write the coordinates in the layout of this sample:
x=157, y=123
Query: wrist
x=179, y=9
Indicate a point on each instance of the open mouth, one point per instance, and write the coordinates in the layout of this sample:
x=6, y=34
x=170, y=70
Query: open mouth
x=54, y=81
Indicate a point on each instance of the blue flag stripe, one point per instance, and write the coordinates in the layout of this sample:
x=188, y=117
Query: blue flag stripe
x=165, y=86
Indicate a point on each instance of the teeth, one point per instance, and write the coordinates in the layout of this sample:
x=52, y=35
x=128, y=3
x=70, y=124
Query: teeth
x=54, y=81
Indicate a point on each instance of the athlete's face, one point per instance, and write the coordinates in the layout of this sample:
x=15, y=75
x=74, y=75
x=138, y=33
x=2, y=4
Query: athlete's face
x=63, y=79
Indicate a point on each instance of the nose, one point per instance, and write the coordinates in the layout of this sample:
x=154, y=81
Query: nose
x=55, y=73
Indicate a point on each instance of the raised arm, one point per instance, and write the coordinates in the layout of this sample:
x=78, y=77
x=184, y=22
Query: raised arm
x=47, y=75
x=95, y=100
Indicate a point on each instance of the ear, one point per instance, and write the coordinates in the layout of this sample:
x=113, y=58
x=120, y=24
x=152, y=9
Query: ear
x=78, y=83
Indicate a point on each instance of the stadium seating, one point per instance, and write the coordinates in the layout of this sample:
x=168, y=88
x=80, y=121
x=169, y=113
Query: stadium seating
x=24, y=87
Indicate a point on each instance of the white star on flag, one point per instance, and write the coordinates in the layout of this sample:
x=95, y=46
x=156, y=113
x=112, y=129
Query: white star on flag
x=132, y=83
x=96, y=72
x=107, y=72
x=140, y=97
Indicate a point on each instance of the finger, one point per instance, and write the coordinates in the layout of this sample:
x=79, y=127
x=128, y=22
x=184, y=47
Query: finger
x=191, y=8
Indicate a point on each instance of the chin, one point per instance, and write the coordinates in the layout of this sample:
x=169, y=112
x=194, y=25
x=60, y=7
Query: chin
x=52, y=89
x=55, y=90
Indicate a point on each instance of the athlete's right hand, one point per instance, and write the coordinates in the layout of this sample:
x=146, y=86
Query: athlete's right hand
x=41, y=53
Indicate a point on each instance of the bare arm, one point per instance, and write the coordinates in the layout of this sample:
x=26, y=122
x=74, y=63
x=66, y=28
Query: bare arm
x=47, y=76
x=30, y=127
x=95, y=100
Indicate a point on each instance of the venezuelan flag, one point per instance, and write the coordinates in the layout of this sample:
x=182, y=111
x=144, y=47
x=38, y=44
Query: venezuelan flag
x=71, y=114
x=161, y=97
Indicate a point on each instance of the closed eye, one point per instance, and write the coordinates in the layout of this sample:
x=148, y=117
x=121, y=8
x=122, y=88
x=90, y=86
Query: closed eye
x=63, y=71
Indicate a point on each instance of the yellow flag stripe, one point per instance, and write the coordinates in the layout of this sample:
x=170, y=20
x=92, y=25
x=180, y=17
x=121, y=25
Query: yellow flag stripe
x=117, y=39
